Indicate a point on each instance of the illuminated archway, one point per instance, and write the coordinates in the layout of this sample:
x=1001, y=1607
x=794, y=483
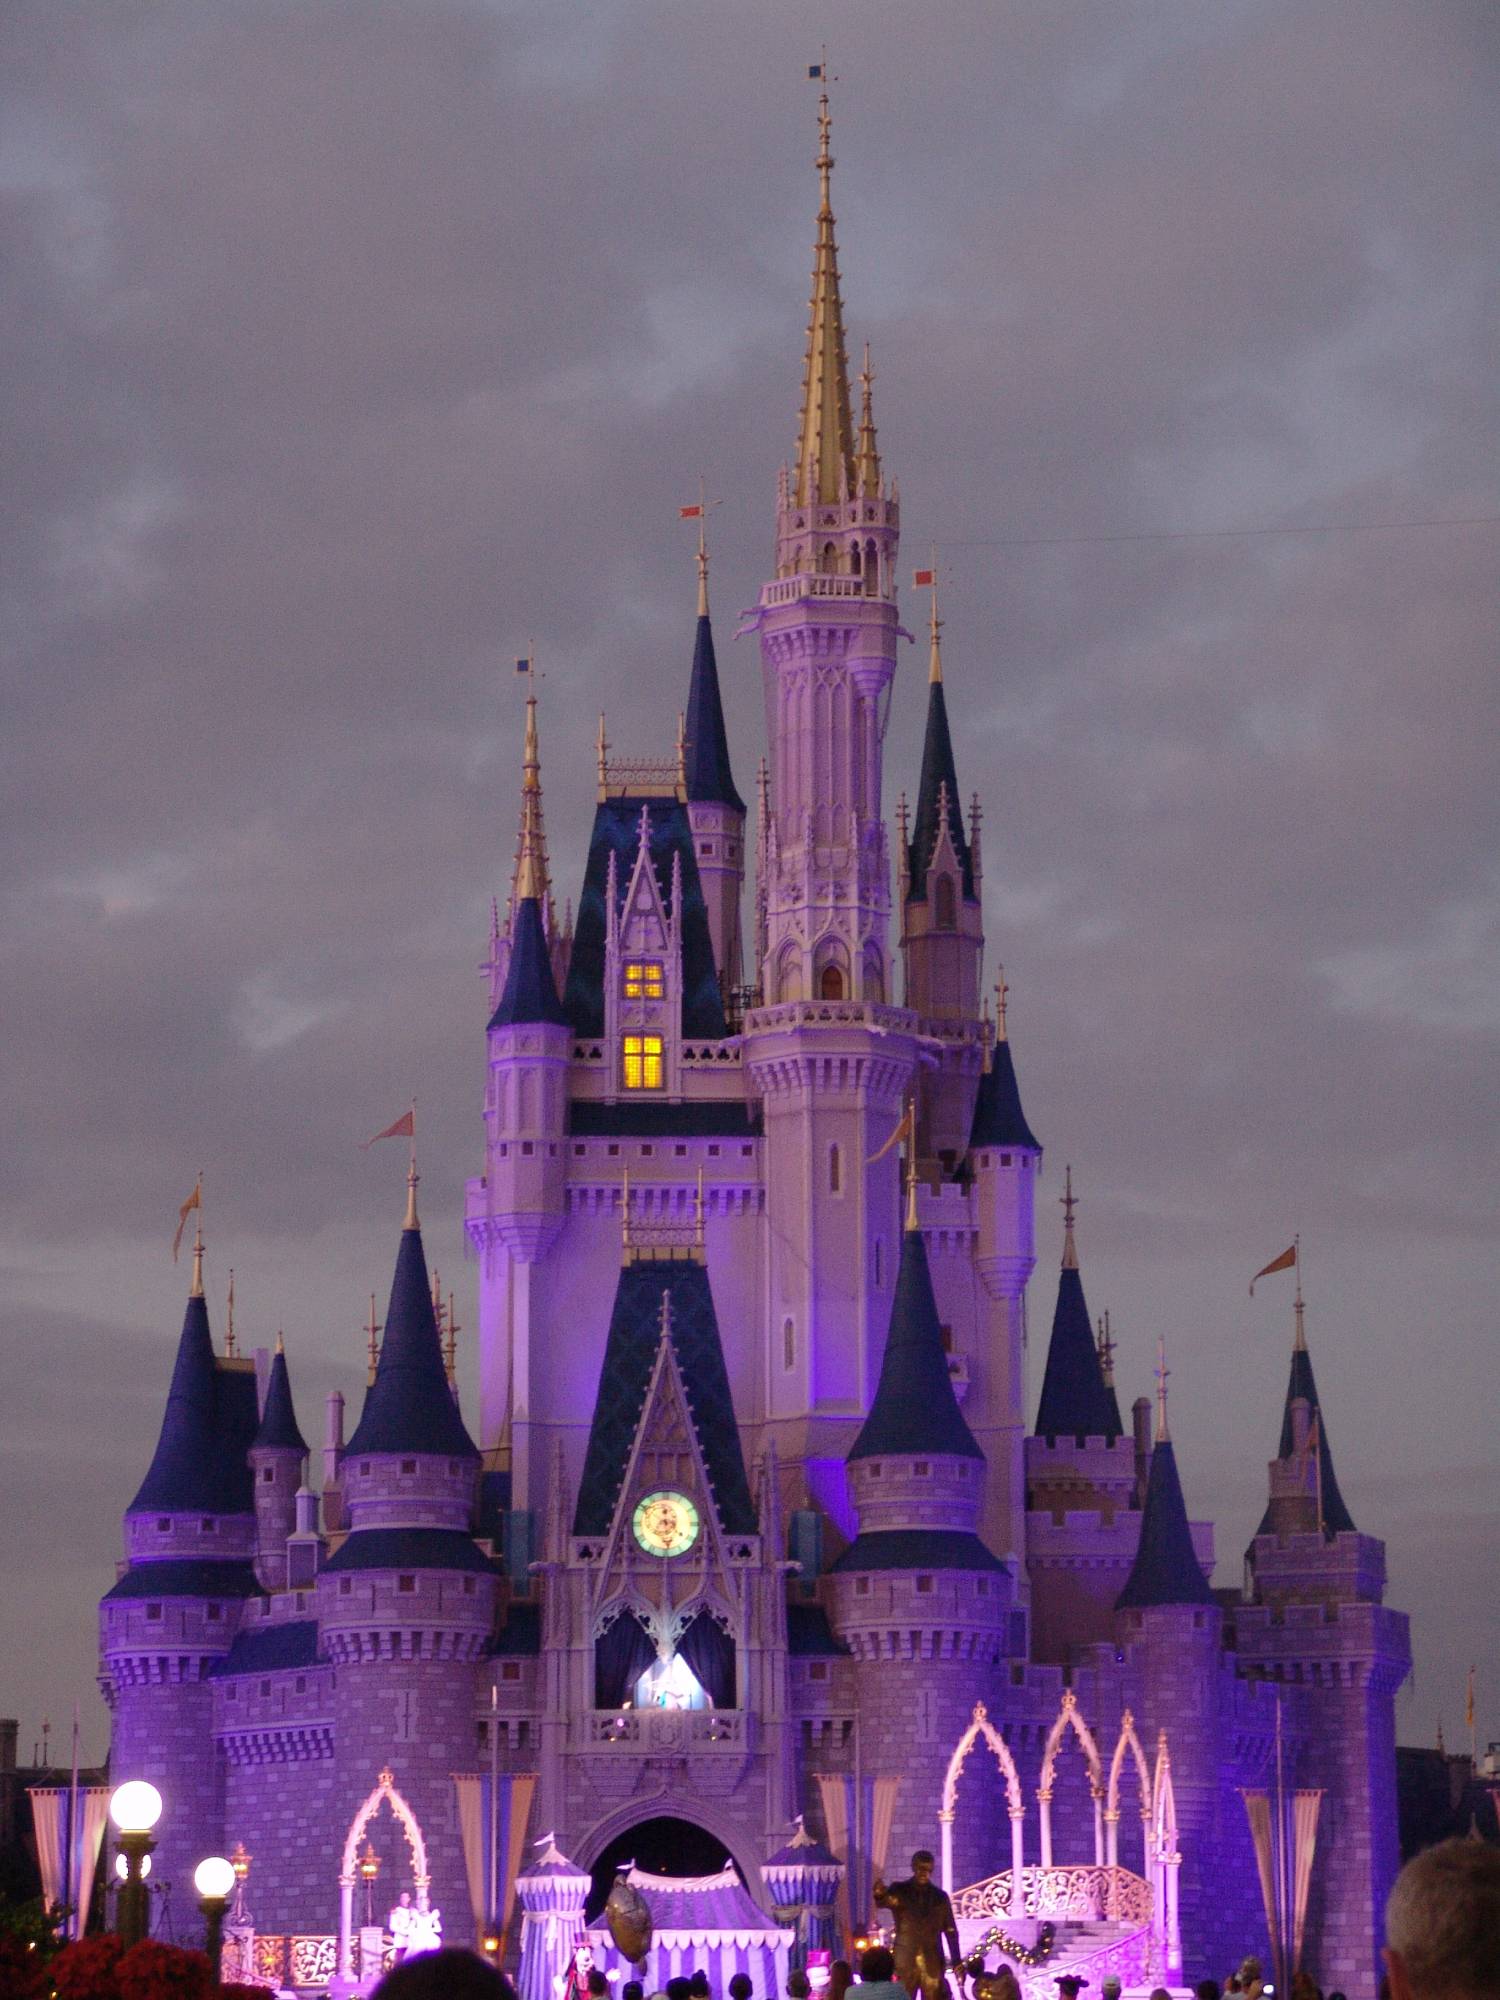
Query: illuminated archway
x=385, y=1793
x=981, y=1728
x=1068, y=1718
x=1128, y=1741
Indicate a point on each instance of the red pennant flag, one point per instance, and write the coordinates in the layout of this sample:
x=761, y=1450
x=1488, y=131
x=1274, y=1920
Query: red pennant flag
x=1287, y=1261
x=404, y=1128
x=923, y=579
x=690, y=513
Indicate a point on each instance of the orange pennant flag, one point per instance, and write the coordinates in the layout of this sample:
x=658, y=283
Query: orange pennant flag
x=404, y=1128
x=903, y=1131
x=194, y=1200
x=1287, y=1261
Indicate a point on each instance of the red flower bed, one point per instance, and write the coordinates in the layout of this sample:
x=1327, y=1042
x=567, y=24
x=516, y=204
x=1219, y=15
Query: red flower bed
x=100, y=1968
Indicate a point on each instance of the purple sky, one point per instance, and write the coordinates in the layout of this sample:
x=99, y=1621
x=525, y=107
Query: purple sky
x=349, y=348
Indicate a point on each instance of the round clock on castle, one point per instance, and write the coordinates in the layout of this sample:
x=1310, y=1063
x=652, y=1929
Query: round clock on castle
x=666, y=1524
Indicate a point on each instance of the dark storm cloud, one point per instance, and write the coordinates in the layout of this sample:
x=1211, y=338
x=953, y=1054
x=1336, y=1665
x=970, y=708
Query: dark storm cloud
x=349, y=349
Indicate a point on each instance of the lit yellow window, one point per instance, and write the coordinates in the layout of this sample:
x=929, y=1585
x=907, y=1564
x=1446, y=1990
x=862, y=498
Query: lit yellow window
x=643, y=1064
x=643, y=980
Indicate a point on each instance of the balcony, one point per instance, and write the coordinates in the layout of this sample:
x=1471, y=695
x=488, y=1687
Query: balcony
x=650, y=1732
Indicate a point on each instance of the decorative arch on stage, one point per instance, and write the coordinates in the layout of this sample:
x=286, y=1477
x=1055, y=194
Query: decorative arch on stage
x=385, y=1793
x=1144, y=1940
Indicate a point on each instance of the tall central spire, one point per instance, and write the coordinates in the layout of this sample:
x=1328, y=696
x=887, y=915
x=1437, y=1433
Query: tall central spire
x=530, y=876
x=826, y=440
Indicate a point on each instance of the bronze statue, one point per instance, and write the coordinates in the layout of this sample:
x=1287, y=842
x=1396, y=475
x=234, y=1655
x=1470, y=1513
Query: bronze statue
x=924, y=1924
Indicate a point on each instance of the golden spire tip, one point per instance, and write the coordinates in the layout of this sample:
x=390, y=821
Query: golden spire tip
x=935, y=627
x=412, y=1178
x=1162, y=1372
x=1002, y=995
x=1069, y=1202
x=280, y=1341
x=911, y=1174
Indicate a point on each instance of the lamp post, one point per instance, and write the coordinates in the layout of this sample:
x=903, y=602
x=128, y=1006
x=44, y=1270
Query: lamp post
x=369, y=1868
x=135, y=1809
x=214, y=1879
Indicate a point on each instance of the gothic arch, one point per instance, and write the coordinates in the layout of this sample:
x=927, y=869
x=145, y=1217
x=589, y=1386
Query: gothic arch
x=385, y=1793
x=1068, y=1718
x=729, y=1833
x=982, y=1727
x=1128, y=1741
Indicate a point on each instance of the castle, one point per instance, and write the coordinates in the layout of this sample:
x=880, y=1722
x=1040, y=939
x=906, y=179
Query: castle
x=751, y=1498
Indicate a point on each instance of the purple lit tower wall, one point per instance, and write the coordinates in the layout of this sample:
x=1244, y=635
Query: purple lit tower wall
x=701, y=1272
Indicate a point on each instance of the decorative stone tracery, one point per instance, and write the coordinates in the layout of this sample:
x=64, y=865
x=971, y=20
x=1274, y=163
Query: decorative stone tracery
x=982, y=1727
x=385, y=1793
x=1068, y=1718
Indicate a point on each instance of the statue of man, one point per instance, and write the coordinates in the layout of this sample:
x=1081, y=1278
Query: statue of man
x=924, y=1924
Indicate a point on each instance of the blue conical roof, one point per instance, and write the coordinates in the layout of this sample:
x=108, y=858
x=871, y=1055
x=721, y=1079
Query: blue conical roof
x=915, y=1410
x=278, y=1420
x=1166, y=1568
x=409, y=1406
x=709, y=777
x=1337, y=1519
x=1075, y=1401
x=187, y=1474
x=530, y=990
x=998, y=1117
x=937, y=771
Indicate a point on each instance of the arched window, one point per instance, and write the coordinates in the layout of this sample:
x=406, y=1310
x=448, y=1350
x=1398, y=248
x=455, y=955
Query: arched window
x=854, y=559
x=831, y=983
x=835, y=1170
x=872, y=570
x=830, y=560
x=943, y=904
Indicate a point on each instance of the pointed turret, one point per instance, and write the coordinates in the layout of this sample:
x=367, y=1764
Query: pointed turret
x=278, y=1457
x=939, y=802
x=1301, y=1387
x=825, y=463
x=1075, y=1401
x=186, y=1475
x=915, y=1409
x=279, y=1430
x=1166, y=1568
x=709, y=779
x=409, y=1406
x=715, y=810
x=998, y=1117
x=530, y=992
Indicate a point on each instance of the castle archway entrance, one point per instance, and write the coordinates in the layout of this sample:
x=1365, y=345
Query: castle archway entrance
x=664, y=1845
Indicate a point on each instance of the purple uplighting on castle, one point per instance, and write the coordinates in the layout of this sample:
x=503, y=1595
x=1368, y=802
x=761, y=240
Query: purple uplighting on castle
x=753, y=1526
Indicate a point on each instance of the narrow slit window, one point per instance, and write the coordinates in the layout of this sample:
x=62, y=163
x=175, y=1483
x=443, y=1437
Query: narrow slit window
x=644, y=1069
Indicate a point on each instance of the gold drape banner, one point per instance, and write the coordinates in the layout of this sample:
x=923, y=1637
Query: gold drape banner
x=1305, y=1807
x=831, y=1786
x=475, y=1819
x=883, y=1812
x=49, y=1817
x=1258, y=1812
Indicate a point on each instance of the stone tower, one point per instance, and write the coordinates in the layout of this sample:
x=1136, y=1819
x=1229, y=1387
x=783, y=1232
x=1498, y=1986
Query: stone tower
x=921, y=1602
x=1317, y=1623
x=170, y=1620
x=278, y=1460
x=828, y=1056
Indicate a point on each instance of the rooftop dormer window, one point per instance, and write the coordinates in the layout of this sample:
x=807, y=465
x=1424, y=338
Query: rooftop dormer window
x=644, y=1068
x=643, y=979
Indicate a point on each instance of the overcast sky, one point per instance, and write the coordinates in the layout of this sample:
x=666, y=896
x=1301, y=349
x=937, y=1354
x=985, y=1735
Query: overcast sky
x=349, y=348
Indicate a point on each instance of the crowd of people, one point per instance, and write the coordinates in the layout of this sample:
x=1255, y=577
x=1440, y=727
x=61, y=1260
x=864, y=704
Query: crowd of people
x=1442, y=1943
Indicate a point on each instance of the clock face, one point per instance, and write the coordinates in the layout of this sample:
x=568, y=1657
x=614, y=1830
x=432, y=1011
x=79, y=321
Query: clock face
x=666, y=1524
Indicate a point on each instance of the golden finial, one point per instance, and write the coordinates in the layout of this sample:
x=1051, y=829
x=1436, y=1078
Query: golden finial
x=1299, y=1338
x=195, y=1290
x=625, y=1213
x=935, y=627
x=603, y=746
x=825, y=441
x=437, y=1299
x=869, y=456
x=1002, y=995
x=229, y=1347
x=531, y=847
x=1069, y=1202
x=1106, y=1351
x=911, y=1167
x=373, y=1331
x=280, y=1341
x=1162, y=1372
x=699, y=1218
x=987, y=1035
x=450, y=1346
x=702, y=546
x=682, y=753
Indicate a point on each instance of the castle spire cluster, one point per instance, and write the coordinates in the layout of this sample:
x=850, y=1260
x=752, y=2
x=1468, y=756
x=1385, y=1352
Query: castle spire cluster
x=755, y=1468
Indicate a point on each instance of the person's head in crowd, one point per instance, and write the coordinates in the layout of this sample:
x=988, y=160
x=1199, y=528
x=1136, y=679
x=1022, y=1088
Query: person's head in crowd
x=597, y=1984
x=876, y=1965
x=679, y=1988
x=632, y=1990
x=741, y=1986
x=1442, y=1924
x=797, y=1987
x=698, y=1984
x=449, y=1974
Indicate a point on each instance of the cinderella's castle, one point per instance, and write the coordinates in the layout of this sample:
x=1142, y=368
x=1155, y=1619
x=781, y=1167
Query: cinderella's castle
x=755, y=1503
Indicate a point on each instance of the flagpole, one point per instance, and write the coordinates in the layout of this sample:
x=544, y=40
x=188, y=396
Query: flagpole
x=494, y=1812
x=71, y=1899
